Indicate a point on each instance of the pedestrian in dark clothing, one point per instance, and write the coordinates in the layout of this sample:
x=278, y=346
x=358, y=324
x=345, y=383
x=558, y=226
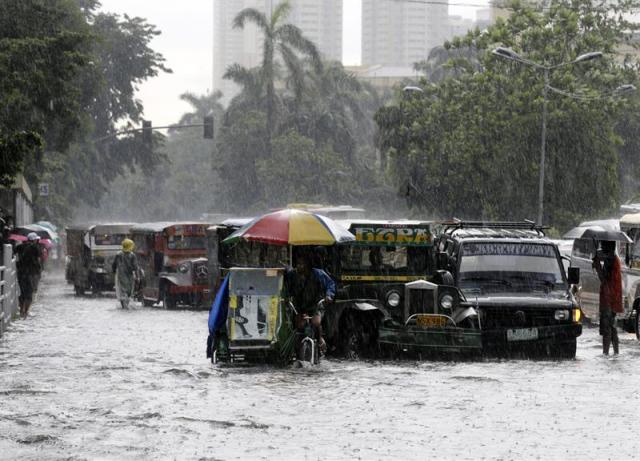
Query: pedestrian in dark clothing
x=609, y=270
x=29, y=266
x=307, y=286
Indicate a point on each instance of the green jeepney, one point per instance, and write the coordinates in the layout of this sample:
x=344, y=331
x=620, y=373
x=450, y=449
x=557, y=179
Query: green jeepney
x=392, y=300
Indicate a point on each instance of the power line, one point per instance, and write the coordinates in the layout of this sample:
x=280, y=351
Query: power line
x=439, y=2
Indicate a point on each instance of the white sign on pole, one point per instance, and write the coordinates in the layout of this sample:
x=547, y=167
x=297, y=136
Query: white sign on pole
x=43, y=189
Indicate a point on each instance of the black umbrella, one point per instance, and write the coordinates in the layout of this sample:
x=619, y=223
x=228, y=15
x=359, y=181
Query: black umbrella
x=606, y=234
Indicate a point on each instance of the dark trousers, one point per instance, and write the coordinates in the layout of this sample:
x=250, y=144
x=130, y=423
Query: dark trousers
x=608, y=331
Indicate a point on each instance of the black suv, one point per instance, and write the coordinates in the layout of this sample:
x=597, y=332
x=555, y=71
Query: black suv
x=515, y=278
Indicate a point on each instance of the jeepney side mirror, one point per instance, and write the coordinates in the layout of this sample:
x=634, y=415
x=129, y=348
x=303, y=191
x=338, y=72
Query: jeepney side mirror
x=573, y=275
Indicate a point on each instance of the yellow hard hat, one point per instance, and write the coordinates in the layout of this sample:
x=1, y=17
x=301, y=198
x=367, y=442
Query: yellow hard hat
x=127, y=245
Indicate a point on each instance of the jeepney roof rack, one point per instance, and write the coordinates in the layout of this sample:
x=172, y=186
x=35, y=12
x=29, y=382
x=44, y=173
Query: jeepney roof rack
x=458, y=224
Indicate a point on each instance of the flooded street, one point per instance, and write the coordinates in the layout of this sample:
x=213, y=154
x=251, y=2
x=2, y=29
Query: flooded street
x=81, y=379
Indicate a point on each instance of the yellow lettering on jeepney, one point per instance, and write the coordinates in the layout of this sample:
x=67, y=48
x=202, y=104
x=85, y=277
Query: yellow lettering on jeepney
x=385, y=235
x=233, y=302
x=365, y=234
x=273, y=316
x=404, y=235
x=422, y=236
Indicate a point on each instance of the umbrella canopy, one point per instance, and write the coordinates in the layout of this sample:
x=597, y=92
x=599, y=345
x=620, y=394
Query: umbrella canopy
x=42, y=232
x=48, y=244
x=606, y=234
x=48, y=225
x=577, y=232
x=292, y=227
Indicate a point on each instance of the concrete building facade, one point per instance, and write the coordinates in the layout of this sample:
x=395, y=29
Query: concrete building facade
x=402, y=33
x=319, y=20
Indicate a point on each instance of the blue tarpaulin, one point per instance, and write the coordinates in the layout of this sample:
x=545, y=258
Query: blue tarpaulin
x=219, y=308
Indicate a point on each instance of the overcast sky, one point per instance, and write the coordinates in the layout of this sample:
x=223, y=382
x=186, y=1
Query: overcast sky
x=187, y=44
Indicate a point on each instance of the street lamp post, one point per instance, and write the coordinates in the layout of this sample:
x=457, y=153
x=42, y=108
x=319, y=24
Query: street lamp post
x=507, y=53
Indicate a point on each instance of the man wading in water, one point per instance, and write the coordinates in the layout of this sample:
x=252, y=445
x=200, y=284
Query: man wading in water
x=29, y=267
x=125, y=266
x=609, y=270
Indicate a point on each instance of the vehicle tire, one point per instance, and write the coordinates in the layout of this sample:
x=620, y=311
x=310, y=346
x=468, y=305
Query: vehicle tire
x=148, y=302
x=351, y=336
x=564, y=350
x=78, y=290
x=168, y=301
x=637, y=322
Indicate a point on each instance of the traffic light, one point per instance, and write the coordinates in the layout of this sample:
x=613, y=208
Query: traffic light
x=147, y=133
x=208, y=127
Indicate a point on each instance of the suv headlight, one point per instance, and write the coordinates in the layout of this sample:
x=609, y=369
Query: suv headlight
x=561, y=314
x=183, y=268
x=446, y=302
x=393, y=299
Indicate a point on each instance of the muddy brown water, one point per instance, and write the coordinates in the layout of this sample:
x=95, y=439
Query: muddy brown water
x=82, y=379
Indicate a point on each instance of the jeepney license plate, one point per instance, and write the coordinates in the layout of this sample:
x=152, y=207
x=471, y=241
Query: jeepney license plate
x=428, y=321
x=522, y=334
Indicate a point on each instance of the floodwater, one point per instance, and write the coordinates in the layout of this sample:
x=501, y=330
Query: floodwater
x=82, y=379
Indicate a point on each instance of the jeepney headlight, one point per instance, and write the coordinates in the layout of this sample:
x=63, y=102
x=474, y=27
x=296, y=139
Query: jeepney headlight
x=577, y=315
x=393, y=299
x=446, y=302
x=561, y=314
x=183, y=268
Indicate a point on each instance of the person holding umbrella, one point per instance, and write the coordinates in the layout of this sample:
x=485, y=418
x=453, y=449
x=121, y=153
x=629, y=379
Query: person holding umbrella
x=609, y=270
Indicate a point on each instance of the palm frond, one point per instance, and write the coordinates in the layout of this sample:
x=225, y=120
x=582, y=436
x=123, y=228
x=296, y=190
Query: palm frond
x=251, y=15
x=281, y=12
x=293, y=37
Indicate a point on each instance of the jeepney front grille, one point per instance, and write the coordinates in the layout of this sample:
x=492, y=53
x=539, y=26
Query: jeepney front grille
x=516, y=317
x=200, y=273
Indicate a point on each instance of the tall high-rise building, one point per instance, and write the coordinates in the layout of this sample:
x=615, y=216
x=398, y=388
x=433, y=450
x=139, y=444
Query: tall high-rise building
x=319, y=20
x=397, y=33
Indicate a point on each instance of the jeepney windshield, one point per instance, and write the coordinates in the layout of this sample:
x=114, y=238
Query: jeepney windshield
x=109, y=239
x=509, y=267
x=186, y=242
x=255, y=254
x=384, y=259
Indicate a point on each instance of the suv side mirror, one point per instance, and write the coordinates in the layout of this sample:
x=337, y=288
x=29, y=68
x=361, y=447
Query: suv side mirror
x=573, y=275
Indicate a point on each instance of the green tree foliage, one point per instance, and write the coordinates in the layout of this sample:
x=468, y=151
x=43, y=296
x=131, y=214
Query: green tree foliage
x=317, y=115
x=470, y=144
x=68, y=75
x=43, y=48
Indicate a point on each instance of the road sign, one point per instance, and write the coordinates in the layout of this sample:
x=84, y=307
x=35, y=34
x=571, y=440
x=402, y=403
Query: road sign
x=43, y=189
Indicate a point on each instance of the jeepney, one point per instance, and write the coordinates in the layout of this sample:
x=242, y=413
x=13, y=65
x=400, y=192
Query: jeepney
x=514, y=277
x=173, y=258
x=589, y=293
x=90, y=253
x=391, y=300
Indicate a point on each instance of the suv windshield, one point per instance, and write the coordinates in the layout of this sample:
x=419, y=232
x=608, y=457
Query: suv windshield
x=505, y=267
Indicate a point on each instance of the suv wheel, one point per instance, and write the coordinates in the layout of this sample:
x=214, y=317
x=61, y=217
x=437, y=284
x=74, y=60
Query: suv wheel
x=638, y=324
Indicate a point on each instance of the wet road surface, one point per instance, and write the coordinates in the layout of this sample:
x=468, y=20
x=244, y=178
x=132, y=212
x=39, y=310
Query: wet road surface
x=82, y=379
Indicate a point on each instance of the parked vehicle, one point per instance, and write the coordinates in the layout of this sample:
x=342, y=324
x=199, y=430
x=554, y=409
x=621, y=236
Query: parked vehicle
x=515, y=277
x=90, y=253
x=173, y=257
x=371, y=274
x=589, y=293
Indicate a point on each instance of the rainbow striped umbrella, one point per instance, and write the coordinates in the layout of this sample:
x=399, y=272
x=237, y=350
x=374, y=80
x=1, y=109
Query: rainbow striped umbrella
x=292, y=227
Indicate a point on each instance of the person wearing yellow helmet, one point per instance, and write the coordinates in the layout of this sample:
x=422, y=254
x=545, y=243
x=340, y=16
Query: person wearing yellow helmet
x=125, y=266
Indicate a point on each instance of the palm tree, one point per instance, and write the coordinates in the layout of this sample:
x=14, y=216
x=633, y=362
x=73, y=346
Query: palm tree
x=285, y=40
x=444, y=62
x=205, y=105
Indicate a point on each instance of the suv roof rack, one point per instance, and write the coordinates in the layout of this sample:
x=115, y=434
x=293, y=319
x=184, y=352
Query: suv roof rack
x=456, y=224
